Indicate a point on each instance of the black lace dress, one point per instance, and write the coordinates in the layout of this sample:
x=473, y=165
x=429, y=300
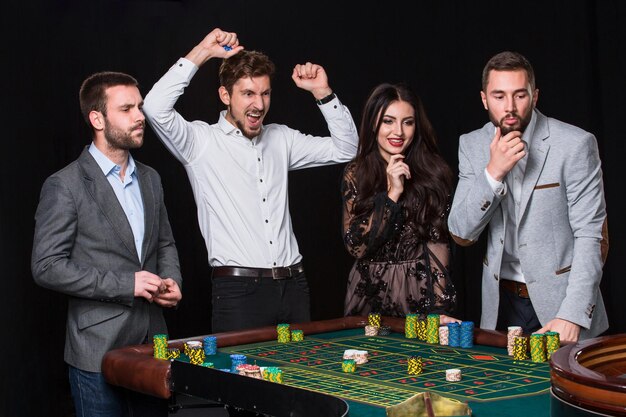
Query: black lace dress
x=395, y=273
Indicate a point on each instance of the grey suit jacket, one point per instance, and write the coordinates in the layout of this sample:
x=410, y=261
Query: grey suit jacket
x=562, y=230
x=83, y=247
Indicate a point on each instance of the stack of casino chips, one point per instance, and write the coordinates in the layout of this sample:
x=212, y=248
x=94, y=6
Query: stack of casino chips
x=254, y=371
x=432, y=328
x=284, y=335
x=359, y=356
x=191, y=344
x=210, y=345
x=196, y=354
x=297, y=335
x=236, y=360
x=373, y=319
x=422, y=324
x=414, y=365
x=348, y=365
x=371, y=330
x=553, y=343
x=208, y=364
x=512, y=331
x=384, y=330
x=454, y=334
x=160, y=346
x=410, y=326
x=520, y=348
x=277, y=376
x=538, y=347
x=453, y=375
x=272, y=374
x=173, y=353
x=247, y=369
x=443, y=335
x=467, y=334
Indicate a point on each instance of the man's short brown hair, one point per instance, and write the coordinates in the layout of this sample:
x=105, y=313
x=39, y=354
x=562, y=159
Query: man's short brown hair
x=245, y=64
x=508, y=61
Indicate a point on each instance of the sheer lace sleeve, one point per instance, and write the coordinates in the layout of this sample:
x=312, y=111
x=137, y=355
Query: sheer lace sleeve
x=443, y=291
x=364, y=234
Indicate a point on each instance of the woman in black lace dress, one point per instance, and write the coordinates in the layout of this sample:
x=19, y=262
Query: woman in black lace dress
x=396, y=195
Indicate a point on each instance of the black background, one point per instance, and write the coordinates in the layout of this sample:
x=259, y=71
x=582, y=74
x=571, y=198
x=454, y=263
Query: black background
x=439, y=47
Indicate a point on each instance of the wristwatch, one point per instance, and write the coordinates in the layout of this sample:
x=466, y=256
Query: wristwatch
x=325, y=99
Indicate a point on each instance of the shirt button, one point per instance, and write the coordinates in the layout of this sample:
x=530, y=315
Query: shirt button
x=261, y=179
x=266, y=221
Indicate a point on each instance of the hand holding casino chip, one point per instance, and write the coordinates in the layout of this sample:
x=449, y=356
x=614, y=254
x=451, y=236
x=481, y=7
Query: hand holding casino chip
x=217, y=44
x=147, y=285
x=170, y=296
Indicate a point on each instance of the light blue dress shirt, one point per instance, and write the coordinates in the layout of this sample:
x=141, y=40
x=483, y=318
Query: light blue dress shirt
x=127, y=192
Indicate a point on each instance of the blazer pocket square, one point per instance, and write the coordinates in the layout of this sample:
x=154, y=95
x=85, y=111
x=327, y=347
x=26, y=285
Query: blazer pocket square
x=551, y=185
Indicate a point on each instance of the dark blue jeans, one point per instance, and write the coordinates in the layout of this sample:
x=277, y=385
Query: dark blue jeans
x=246, y=302
x=94, y=397
x=516, y=311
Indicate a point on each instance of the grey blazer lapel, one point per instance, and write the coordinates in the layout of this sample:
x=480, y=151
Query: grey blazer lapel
x=102, y=193
x=536, y=160
x=147, y=194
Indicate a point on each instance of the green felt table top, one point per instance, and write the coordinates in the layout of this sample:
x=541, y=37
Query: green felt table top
x=493, y=384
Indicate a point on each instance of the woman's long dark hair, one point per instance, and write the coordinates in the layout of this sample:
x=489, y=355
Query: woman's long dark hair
x=427, y=193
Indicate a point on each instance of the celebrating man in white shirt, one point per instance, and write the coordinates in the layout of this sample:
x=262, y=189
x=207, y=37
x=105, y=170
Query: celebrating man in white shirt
x=238, y=170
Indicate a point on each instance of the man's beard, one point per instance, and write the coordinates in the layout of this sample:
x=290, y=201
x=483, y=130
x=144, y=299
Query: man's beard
x=520, y=126
x=118, y=139
x=250, y=135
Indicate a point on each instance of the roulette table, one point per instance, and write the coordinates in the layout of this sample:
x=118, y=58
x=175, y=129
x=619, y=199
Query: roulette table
x=314, y=383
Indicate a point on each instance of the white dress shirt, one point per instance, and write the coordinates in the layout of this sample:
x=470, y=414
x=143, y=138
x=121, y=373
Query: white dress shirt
x=241, y=185
x=511, y=268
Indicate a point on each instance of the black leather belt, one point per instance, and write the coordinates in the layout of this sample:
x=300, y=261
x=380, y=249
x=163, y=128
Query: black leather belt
x=281, y=272
x=518, y=288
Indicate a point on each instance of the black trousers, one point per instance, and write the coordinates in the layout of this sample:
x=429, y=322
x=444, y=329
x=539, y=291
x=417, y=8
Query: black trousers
x=246, y=302
x=516, y=311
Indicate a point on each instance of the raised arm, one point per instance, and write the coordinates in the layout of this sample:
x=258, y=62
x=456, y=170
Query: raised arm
x=176, y=133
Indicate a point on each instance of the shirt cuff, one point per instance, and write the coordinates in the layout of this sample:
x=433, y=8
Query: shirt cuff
x=332, y=110
x=498, y=187
x=185, y=68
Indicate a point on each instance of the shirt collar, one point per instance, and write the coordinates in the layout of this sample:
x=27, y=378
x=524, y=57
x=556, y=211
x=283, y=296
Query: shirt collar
x=230, y=130
x=107, y=166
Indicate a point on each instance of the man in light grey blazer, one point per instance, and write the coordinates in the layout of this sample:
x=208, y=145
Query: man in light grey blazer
x=536, y=184
x=103, y=238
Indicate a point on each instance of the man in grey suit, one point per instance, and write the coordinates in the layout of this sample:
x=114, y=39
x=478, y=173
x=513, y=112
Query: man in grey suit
x=536, y=184
x=103, y=238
